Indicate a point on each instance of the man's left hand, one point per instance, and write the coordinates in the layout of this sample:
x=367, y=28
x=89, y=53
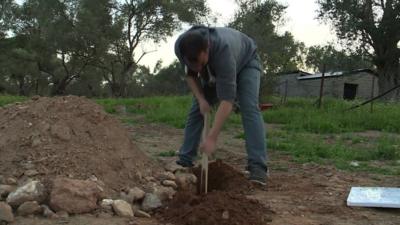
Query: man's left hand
x=208, y=145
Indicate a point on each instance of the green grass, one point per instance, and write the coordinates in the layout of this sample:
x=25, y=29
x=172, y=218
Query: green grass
x=170, y=153
x=300, y=114
x=7, y=99
x=327, y=149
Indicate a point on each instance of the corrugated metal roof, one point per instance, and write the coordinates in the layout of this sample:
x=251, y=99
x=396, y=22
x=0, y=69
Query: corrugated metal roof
x=334, y=74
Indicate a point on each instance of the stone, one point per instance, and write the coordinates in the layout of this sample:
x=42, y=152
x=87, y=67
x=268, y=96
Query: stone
x=151, y=202
x=354, y=163
x=225, y=215
x=6, y=213
x=172, y=167
x=74, y=196
x=29, y=208
x=143, y=214
x=186, y=182
x=2, y=179
x=48, y=213
x=31, y=173
x=11, y=181
x=122, y=208
x=170, y=183
x=106, y=204
x=166, y=176
x=164, y=193
x=31, y=191
x=136, y=194
x=5, y=190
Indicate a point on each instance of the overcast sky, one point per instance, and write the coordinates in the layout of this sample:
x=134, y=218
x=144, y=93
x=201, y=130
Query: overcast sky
x=300, y=21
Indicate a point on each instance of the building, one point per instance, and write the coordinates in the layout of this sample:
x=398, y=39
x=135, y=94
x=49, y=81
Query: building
x=347, y=85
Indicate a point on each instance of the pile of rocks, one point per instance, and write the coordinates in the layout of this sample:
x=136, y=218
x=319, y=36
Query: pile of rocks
x=65, y=196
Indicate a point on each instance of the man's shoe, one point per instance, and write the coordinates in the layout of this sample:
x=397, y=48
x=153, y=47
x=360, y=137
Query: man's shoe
x=258, y=176
x=184, y=163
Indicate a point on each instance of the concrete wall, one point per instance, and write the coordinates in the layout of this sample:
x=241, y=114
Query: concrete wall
x=333, y=86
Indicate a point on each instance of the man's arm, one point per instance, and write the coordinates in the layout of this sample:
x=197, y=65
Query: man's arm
x=194, y=84
x=224, y=109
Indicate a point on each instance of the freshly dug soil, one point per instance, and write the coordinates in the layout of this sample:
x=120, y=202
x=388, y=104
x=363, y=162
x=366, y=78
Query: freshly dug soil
x=72, y=137
x=225, y=204
x=223, y=177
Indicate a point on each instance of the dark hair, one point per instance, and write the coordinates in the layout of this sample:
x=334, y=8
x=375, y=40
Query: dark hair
x=193, y=42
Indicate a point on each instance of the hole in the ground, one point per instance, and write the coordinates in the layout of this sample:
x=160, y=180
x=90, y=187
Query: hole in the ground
x=222, y=177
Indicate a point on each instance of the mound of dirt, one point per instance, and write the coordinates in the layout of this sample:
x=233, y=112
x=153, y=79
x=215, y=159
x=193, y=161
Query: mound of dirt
x=225, y=204
x=72, y=137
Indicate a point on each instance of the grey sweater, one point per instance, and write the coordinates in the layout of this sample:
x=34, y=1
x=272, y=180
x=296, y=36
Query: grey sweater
x=230, y=51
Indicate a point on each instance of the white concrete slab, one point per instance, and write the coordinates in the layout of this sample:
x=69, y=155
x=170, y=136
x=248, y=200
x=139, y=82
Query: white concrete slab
x=374, y=197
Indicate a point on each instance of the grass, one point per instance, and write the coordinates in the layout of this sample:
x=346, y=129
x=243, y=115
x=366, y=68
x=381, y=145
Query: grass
x=7, y=99
x=326, y=149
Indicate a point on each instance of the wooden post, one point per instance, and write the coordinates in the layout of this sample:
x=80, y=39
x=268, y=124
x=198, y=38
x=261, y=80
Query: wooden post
x=321, y=90
x=286, y=90
x=372, y=94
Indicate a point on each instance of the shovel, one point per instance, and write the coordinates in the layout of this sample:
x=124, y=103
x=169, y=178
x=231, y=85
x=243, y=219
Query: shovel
x=204, y=157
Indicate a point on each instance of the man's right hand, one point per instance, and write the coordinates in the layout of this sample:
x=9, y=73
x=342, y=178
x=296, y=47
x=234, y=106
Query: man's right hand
x=204, y=106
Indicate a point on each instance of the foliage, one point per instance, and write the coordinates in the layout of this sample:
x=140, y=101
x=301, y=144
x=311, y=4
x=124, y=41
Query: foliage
x=334, y=60
x=372, y=26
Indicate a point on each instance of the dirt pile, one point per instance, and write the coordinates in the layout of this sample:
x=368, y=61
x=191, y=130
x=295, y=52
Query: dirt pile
x=226, y=203
x=71, y=137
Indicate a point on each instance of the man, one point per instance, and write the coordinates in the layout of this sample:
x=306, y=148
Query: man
x=222, y=65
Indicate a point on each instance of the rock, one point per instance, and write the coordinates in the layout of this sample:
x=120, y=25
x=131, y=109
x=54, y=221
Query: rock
x=133, y=195
x=150, y=179
x=6, y=213
x=2, y=180
x=29, y=208
x=122, y=208
x=31, y=191
x=74, y=196
x=172, y=167
x=151, y=202
x=106, y=204
x=164, y=193
x=62, y=214
x=31, y=173
x=169, y=183
x=136, y=194
x=143, y=214
x=354, y=163
x=11, y=181
x=5, y=190
x=48, y=213
x=225, y=215
x=186, y=182
x=166, y=176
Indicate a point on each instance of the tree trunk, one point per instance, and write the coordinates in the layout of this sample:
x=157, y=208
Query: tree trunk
x=389, y=77
x=60, y=87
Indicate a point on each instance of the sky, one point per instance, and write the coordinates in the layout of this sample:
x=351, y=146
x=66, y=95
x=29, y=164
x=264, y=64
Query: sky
x=300, y=21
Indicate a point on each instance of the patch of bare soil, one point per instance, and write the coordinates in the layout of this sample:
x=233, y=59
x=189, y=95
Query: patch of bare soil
x=71, y=137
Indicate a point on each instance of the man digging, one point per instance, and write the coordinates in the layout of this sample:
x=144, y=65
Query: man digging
x=229, y=70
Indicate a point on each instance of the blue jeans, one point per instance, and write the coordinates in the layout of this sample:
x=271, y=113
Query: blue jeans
x=248, y=86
